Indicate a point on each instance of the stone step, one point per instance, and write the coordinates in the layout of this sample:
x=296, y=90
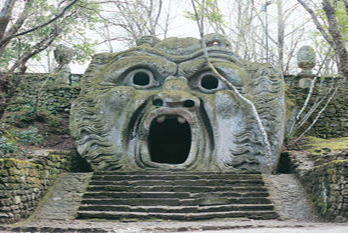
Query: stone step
x=176, y=188
x=107, y=194
x=178, y=209
x=173, y=172
x=213, y=200
x=202, y=182
x=119, y=177
x=176, y=216
x=176, y=195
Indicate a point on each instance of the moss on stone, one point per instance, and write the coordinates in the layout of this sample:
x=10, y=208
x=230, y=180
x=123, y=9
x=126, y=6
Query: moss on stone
x=319, y=146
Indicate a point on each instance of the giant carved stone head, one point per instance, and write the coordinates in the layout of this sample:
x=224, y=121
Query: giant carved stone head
x=160, y=106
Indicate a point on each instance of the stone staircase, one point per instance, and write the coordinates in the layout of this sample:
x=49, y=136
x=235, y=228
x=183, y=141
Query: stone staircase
x=176, y=195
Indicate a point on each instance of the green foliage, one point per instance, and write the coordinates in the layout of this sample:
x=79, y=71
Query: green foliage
x=20, y=119
x=84, y=50
x=7, y=146
x=341, y=16
x=71, y=29
x=342, y=19
x=29, y=137
x=212, y=12
x=20, y=104
x=23, y=113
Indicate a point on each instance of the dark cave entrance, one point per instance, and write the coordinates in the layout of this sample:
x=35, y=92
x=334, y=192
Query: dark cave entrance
x=285, y=165
x=169, y=141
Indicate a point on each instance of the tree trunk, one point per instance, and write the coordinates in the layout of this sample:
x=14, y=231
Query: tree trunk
x=336, y=35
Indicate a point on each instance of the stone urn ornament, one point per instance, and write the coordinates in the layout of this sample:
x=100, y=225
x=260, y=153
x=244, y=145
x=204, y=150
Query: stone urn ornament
x=63, y=56
x=306, y=60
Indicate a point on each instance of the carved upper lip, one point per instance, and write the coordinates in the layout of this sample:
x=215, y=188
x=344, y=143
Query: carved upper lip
x=188, y=116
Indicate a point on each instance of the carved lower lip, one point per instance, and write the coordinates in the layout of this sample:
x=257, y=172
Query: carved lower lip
x=169, y=139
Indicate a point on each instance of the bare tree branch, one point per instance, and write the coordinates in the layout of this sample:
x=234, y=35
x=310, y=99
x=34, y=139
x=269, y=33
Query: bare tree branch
x=336, y=35
x=20, y=63
x=316, y=22
x=319, y=114
x=5, y=16
x=226, y=81
x=59, y=15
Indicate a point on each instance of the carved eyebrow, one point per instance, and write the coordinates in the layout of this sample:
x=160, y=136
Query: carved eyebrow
x=190, y=68
x=117, y=69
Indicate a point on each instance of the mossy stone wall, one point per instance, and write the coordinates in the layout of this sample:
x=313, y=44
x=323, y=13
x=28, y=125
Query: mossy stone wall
x=24, y=182
x=54, y=96
x=334, y=120
x=327, y=186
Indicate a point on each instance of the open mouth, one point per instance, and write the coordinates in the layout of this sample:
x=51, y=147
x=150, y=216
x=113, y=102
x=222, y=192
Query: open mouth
x=169, y=139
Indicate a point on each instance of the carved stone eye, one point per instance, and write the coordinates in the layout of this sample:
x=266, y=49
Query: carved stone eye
x=208, y=81
x=141, y=78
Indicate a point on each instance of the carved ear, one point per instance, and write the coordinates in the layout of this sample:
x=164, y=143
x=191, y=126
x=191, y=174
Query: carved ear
x=242, y=143
x=214, y=39
x=267, y=89
x=149, y=40
x=98, y=62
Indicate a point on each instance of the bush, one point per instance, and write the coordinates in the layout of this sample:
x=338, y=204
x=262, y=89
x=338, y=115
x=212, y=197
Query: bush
x=7, y=147
x=26, y=117
x=30, y=136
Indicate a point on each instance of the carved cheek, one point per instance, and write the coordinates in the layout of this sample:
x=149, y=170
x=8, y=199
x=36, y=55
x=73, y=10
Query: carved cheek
x=226, y=106
x=117, y=99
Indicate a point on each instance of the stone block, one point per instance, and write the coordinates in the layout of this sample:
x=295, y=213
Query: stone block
x=8, y=163
x=5, y=202
x=17, y=199
x=4, y=194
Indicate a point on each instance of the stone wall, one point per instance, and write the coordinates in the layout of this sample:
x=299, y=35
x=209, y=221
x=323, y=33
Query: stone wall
x=327, y=187
x=334, y=120
x=54, y=96
x=24, y=182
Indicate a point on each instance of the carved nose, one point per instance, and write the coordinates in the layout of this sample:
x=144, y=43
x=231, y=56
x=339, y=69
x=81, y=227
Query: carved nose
x=168, y=101
x=176, y=94
x=158, y=102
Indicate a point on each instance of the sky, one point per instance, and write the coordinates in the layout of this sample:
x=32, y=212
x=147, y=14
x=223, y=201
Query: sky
x=180, y=26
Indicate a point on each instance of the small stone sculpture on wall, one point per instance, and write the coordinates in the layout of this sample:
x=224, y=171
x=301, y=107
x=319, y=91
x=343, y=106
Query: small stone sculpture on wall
x=306, y=60
x=63, y=55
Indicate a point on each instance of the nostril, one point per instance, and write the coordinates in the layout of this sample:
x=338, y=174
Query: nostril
x=158, y=102
x=189, y=103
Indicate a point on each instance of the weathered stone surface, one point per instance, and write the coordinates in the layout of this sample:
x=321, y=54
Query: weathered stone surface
x=63, y=200
x=63, y=56
x=306, y=61
x=181, y=200
x=160, y=226
x=325, y=183
x=53, y=97
x=25, y=182
x=289, y=197
x=333, y=121
x=159, y=105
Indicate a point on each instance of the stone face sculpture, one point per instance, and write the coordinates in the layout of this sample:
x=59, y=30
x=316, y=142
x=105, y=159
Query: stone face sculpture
x=158, y=105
